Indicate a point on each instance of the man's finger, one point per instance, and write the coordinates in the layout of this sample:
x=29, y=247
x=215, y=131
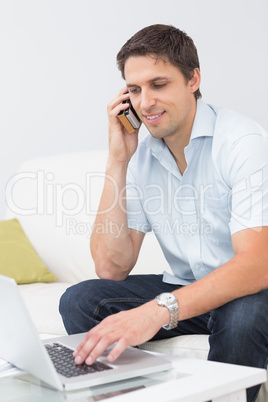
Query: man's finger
x=119, y=348
x=85, y=347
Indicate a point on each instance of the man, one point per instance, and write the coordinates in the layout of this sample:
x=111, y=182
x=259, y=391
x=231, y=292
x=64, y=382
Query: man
x=202, y=169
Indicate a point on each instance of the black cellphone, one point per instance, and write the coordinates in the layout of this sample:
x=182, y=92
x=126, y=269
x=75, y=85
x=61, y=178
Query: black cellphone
x=129, y=118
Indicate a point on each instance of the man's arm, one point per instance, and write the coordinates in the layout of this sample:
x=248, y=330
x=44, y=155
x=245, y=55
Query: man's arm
x=114, y=247
x=246, y=273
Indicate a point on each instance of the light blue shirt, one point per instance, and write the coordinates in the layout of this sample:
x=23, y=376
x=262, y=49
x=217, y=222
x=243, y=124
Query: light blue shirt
x=224, y=189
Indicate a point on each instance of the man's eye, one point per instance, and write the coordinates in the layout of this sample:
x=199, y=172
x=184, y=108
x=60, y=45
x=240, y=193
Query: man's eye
x=159, y=85
x=134, y=90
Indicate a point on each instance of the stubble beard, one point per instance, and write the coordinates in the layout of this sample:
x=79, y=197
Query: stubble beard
x=163, y=133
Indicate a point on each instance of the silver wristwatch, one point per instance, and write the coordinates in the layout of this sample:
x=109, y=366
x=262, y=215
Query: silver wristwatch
x=169, y=300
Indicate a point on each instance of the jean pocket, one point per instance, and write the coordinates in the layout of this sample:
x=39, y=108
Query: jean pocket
x=211, y=322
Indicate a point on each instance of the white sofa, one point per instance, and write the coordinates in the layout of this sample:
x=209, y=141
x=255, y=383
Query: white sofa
x=55, y=199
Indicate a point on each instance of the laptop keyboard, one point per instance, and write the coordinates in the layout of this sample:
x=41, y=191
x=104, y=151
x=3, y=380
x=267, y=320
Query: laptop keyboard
x=63, y=360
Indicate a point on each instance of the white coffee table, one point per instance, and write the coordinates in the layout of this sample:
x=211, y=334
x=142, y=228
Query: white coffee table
x=190, y=380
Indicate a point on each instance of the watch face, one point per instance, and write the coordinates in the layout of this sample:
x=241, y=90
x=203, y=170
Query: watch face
x=167, y=298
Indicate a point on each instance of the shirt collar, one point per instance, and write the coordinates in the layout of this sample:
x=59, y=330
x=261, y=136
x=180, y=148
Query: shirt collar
x=204, y=121
x=203, y=126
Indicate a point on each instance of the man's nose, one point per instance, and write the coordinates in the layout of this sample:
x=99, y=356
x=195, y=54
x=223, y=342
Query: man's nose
x=147, y=101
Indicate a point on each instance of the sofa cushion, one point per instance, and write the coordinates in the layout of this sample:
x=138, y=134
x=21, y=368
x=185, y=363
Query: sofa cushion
x=42, y=302
x=18, y=259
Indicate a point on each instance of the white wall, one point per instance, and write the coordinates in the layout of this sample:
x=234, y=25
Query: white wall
x=58, y=72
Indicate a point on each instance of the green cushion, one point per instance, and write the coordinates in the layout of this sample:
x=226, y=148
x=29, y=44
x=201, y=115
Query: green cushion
x=18, y=259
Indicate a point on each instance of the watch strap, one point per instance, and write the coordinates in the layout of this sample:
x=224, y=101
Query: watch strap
x=173, y=308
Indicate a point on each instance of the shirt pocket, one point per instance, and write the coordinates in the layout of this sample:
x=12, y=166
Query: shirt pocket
x=215, y=214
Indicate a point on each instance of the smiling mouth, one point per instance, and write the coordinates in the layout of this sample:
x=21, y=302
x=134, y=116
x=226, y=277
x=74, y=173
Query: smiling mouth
x=154, y=117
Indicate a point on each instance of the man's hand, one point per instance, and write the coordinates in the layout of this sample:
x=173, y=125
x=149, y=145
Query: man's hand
x=122, y=144
x=127, y=328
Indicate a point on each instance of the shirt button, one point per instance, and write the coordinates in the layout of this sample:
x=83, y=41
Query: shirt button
x=197, y=267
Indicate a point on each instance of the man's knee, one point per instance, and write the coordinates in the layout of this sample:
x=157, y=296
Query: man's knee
x=239, y=329
x=76, y=306
x=66, y=300
x=245, y=313
x=79, y=295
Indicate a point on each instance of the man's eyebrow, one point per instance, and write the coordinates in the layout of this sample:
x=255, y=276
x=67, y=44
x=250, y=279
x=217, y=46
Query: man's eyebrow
x=160, y=78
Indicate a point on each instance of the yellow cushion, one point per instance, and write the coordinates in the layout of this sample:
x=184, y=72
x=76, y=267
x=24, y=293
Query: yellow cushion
x=18, y=259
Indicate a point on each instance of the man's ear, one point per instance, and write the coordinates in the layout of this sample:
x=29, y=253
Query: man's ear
x=195, y=80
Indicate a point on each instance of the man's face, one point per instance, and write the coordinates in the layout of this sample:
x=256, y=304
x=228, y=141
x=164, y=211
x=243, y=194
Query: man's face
x=161, y=96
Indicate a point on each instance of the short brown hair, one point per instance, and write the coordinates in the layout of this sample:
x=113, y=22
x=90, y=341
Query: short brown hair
x=166, y=42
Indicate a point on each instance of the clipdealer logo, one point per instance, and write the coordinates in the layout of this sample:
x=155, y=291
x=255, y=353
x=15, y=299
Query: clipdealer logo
x=74, y=206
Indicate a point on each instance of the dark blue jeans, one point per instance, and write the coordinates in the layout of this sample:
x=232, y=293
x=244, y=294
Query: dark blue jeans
x=238, y=330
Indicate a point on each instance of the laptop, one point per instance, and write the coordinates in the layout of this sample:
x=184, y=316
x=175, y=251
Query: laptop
x=20, y=345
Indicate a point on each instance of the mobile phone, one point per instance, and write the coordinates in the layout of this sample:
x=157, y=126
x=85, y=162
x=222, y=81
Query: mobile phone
x=129, y=118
